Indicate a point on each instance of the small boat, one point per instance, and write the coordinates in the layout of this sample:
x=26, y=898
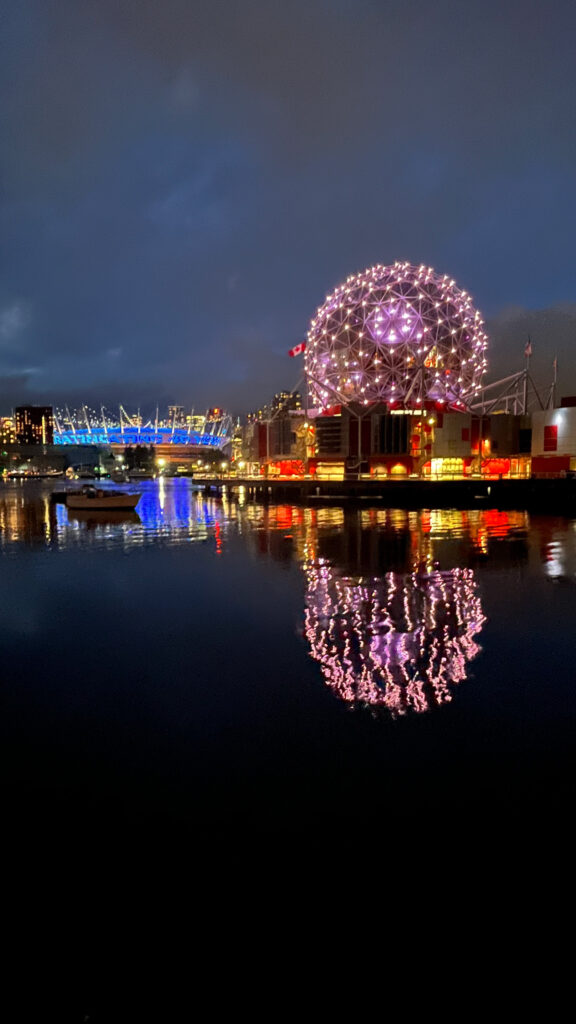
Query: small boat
x=94, y=499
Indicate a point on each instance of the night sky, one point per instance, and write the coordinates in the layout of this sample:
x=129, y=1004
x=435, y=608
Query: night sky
x=184, y=181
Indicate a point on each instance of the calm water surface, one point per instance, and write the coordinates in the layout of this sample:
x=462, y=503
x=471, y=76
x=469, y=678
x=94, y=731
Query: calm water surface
x=206, y=667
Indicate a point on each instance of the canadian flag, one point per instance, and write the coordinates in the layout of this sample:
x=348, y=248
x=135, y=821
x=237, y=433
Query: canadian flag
x=298, y=349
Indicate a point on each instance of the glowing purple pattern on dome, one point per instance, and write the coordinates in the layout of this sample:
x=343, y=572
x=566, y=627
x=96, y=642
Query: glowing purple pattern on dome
x=396, y=333
x=392, y=323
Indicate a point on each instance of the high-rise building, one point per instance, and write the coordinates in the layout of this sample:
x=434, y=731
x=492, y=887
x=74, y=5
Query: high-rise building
x=196, y=422
x=7, y=433
x=286, y=401
x=34, y=424
x=176, y=415
x=283, y=402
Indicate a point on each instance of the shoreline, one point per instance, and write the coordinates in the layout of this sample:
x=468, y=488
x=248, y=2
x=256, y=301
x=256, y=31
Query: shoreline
x=542, y=495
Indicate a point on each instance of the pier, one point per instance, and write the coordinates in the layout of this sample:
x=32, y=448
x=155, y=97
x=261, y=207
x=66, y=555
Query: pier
x=556, y=496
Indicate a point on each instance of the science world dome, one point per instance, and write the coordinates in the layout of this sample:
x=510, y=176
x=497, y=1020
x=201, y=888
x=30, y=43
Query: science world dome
x=401, y=334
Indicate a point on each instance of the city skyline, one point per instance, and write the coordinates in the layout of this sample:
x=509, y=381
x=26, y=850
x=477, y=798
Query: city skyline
x=185, y=184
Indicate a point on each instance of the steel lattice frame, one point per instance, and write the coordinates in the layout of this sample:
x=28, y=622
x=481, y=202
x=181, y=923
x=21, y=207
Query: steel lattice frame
x=400, y=334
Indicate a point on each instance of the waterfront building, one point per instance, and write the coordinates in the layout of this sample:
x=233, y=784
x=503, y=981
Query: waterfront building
x=379, y=441
x=34, y=424
x=554, y=440
x=429, y=442
x=279, y=446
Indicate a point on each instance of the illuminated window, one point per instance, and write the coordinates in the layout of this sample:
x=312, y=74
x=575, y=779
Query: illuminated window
x=447, y=467
x=550, y=439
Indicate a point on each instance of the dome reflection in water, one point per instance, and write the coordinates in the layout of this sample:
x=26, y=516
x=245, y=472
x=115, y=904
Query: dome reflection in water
x=393, y=611
x=399, y=642
x=391, y=608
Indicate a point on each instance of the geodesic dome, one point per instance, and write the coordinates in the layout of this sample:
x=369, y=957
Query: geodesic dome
x=400, y=334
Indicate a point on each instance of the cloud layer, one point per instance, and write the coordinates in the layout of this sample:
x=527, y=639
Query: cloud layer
x=184, y=182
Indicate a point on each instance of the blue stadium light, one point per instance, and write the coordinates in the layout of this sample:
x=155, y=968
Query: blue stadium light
x=140, y=435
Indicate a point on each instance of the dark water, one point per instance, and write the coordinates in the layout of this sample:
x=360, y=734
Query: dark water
x=208, y=701
x=214, y=671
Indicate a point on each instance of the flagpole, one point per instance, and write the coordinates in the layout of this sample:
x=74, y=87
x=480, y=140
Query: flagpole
x=555, y=381
x=527, y=354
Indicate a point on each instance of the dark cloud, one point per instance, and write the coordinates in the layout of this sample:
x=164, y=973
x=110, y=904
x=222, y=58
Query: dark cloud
x=184, y=181
x=552, y=333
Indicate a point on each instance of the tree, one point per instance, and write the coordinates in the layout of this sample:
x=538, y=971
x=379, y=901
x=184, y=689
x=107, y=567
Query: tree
x=139, y=457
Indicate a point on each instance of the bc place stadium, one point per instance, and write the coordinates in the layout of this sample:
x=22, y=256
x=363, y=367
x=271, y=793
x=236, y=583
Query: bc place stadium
x=212, y=430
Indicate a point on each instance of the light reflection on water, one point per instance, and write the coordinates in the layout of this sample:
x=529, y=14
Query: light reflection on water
x=172, y=511
x=168, y=512
x=393, y=610
x=400, y=642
